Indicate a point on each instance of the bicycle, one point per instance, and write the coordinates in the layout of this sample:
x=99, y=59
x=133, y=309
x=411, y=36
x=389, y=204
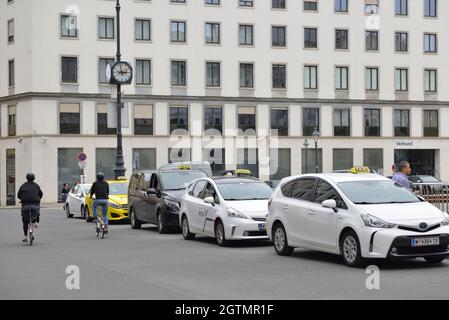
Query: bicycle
x=100, y=228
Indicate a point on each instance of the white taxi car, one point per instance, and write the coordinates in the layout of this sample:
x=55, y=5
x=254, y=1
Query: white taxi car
x=357, y=216
x=225, y=208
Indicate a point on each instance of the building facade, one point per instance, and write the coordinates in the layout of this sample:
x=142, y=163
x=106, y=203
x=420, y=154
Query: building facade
x=229, y=81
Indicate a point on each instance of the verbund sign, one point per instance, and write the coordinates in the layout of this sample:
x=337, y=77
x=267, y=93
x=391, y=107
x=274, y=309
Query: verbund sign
x=404, y=143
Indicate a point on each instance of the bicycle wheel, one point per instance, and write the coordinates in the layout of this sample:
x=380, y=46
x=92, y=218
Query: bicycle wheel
x=30, y=236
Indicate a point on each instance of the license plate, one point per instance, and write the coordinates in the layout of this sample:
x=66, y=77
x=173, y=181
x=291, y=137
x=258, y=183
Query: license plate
x=262, y=226
x=424, y=242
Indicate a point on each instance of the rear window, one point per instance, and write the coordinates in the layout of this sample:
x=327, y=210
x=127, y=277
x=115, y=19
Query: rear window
x=286, y=189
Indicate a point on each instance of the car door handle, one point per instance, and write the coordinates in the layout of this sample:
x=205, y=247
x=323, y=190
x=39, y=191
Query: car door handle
x=311, y=212
x=285, y=207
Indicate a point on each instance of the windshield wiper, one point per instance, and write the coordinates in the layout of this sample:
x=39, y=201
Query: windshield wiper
x=364, y=202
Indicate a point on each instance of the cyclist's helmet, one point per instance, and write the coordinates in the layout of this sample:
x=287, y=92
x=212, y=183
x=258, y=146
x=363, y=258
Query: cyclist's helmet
x=100, y=176
x=30, y=177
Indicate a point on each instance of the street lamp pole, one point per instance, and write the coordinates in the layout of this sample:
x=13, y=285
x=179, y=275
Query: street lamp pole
x=119, y=169
x=306, y=145
x=315, y=135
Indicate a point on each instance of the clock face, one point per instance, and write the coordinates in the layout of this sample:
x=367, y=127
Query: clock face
x=122, y=72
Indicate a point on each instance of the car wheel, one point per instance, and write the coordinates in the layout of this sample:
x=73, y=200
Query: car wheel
x=88, y=218
x=161, y=224
x=220, y=235
x=435, y=259
x=280, y=241
x=67, y=211
x=186, y=229
x=350, y=250
x=135, y=223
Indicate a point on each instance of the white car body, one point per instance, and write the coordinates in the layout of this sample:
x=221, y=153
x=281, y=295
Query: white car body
x=310, y=225
x=76, y=199
x=202, y=216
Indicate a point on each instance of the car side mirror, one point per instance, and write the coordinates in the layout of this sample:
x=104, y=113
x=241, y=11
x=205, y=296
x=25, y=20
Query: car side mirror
x=331, y=204
x=209, y=200
x=151, y=191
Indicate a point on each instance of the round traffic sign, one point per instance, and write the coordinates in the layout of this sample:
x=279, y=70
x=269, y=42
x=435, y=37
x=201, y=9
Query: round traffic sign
x=82, y=157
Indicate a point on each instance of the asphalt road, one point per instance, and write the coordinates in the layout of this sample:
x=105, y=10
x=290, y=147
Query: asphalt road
x=141, y=264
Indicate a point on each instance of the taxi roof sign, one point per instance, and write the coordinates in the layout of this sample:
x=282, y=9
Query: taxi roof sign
x=360, y=170
x=185, y=166
x=243, y=171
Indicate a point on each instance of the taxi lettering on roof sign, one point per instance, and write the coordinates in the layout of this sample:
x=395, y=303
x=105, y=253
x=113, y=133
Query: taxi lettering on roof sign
x=184, y=167
x=243, y=171
x=359, y=170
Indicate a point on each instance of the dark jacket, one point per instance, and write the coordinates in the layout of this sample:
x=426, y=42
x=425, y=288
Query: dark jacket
x=30, y=193
x=100, y=189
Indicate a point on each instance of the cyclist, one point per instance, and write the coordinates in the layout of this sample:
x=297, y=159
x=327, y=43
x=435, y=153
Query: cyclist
x=100, y=189
x=30, y=195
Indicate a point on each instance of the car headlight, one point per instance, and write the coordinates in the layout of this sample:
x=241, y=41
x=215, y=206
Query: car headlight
x=445, y=222
x=115, y=205
x=372, y=221
x=232, y=213
x=173, y=205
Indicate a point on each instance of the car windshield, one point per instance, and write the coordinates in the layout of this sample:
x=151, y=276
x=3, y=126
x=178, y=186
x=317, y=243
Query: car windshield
x=177, y=180
x=118, y=188
x=377, y=192
x=245, y=191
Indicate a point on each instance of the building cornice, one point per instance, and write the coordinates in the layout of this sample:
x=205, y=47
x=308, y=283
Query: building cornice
x=213, y=99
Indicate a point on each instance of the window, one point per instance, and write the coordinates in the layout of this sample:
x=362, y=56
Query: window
x=179, y=155
x=246, y=3
x=304, y=189
x=246, y=75
x=213, y=120
x=102, y=120
x=247, y=120
x=343, y=159
x=374, y=159
x=69, y=70
x=105, y=161
x=278, y=4
x=216, y=158
x=143, y=119
x=341, y=5
x=401, y=43
x=213, y=77
x=280, y=164
x=68, y=167
x=11, y=73
x=310, y=120
x=143, y=30
x=213, y=2
x=341, y=39
x=401, y=123
x=430, y=8
x=11, y=31
x=372, y=122
x=178, y=31
x=179, y=73
x=246, y=35
x=279, y=121
x=342, y=123
x=324, y=191
x=10, y=177
x=106, y=28
x=212, y=33
x=371, y=6
x=248, y=159
x=278, y=36
x=279, y=76
x=401, y=7
x=311, y=160
x=310, y=5
x=372, y=40
x=69, y=26
x=311, y=77
x=144, y=159
x=179, y=119
x=143, y=72
x=401, y=82
x=430, y=80
x=102, y=65
x=430, y=123
x=430, y=43
x=12, y=120
x=199, y=188
x=342, y=78
x=372, y=79
x=310, y=38
x=69, y=118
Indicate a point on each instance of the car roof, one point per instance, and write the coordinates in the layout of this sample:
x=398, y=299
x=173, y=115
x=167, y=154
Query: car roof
x=234, y=179
x=343, y=177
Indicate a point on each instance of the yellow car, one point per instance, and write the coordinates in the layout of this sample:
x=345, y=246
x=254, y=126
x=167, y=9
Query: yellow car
x=118, y=201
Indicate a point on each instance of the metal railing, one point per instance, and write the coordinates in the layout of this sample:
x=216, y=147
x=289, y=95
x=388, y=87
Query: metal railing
x=434, y=193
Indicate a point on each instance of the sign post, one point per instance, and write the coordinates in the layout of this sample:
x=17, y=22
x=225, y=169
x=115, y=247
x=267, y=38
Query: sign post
x=82, y=163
